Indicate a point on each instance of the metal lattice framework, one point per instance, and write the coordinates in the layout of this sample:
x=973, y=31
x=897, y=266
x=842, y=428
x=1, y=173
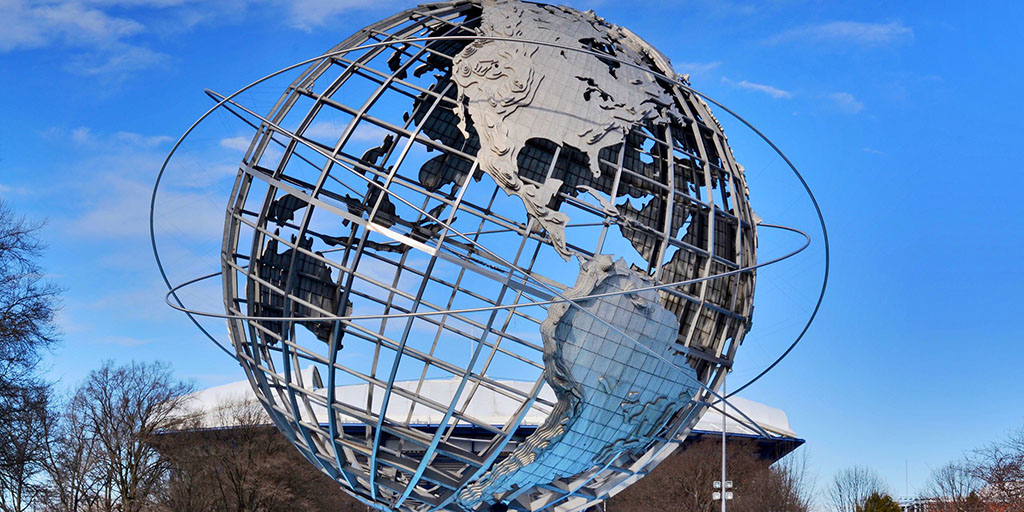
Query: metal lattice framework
x=386, y=253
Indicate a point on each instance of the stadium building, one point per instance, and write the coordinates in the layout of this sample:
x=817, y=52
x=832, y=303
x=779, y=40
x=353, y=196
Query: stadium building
x=210, y=409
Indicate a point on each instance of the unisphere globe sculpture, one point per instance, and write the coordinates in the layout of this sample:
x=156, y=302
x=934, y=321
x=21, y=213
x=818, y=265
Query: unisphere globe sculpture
x=461, y=218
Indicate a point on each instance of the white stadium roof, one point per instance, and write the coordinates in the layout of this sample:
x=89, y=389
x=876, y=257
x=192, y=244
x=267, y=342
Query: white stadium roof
x=211, y=405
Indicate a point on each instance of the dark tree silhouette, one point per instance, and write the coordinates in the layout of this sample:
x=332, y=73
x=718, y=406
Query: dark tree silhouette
x=28, y=304
x=954, y=488
x=684, y=482
x=1000, y=466
x=244, y=465
x=72, y=460
x=124, y=408
x=24, y=441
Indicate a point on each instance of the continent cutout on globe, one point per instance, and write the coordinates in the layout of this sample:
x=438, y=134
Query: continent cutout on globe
x=517, y=91
x=608, y=361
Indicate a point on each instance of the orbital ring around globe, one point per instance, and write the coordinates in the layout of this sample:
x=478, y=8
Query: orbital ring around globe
x=749, y=423
x=225, y=100
x=396, y=478
x=172, y=294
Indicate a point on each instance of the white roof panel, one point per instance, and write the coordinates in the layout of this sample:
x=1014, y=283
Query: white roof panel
x=488, y=405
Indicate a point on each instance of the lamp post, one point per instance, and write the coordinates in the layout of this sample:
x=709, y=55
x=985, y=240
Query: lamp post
x=724, y=493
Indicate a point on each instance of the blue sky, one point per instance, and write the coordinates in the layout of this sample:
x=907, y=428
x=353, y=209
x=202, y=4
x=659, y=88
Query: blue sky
x=903, y=117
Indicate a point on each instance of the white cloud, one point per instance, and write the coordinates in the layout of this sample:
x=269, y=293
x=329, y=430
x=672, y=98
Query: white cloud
x=873, y=151
x=105, y=38
x=147, y=141
x=123, y=211
x=117, y=60
x=307, y=14
x=81, y=135
x=7, y=190
x=214, y=379
x=850, y=32
x=236, y=143
x=330, y=131
x=143, y=3
x=369, y=133
x=772, y=91
x=98, y=33
x=145, y=297
x=67, y=325
x=115, y=200
x=84, y=136
x=845, y=102
x=36, y=26
x=695, y=68
x=324, y=131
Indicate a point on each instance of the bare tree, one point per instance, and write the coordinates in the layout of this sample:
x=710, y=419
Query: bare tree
x=954, y=488
x=71, y=462
x=684, y=482
x=244, y=465
x=27, y=307
x=851, y=487
x=795, y=486
x=1000, y=466
x=784, y=486
x=125, y=407
x=23, y=441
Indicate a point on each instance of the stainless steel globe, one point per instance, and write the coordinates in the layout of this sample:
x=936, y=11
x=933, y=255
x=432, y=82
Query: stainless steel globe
x=468, y=213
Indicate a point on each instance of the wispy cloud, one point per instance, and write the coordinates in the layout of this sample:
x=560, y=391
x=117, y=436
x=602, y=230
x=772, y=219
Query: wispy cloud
x=145, y=297
x=8, y=190
x=80, y=135
x=117, y=61
x=873, y=151
x=101, y=42
x=84, y=136
x=36, y=26
x=108, y=38
x=308, y=14
x=115, y=200
x=330, y=131
x=846, y=32
x=67, y=325
x=772, y=91
x=696, y=68
x=239, y=143
x=845, y=102
x=123, y=211
x=146, y=141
